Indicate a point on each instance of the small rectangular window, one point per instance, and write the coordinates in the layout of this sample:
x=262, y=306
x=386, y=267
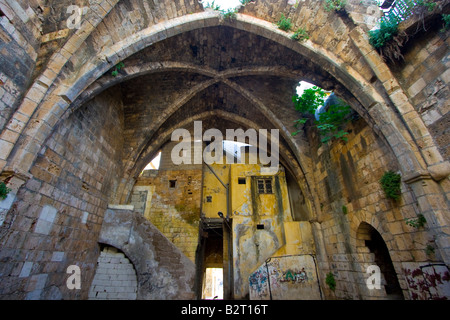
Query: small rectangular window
x=264, y=185
x=260, y=186
x=172, y=183
x=260, y=226
x=241, y=180
x=208, y=198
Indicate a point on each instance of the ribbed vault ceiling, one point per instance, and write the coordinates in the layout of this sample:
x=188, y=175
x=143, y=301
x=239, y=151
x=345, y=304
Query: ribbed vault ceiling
x=227, y=77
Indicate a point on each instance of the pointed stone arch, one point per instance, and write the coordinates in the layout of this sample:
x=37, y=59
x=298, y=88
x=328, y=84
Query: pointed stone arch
x=57, y=98
x=78, y=72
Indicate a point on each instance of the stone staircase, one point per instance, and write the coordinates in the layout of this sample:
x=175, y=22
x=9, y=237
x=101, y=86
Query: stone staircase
x=162, y=270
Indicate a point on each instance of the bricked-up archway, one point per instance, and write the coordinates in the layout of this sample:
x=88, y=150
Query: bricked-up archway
x=178, y=44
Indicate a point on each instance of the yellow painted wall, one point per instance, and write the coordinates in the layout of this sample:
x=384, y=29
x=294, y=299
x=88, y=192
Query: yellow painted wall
x=174, y=211
x=214, y=189
x=248, y=209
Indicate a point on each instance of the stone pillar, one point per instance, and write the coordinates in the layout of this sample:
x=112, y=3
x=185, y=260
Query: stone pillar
x=433, y=204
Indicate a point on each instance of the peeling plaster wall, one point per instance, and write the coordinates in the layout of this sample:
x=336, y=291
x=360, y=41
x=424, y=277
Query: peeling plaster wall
x=257, y=219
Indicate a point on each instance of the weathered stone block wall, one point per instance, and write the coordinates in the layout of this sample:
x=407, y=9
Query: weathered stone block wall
x=60, y=209
x=170, y=200
x=425, y=76
x=19, y=43
x=348, y=175
x=57, y=213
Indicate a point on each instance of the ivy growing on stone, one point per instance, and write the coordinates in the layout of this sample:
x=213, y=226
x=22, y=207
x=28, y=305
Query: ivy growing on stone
x=335, y=5
x=446, y=20
x=4, y=190
x=300, y=35
x=118, y=66
x=330, y=121
x=390, y=182
x=284, y=23
x=388, y=29
x=416, y=222
x=213, y=6
x=330, y=281
x=387, y=37
x=228, y=14
x=429, y=250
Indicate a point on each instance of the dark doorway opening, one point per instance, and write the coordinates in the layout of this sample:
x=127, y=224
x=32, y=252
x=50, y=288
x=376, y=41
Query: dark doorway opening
x=211, y=260
x=376, y=245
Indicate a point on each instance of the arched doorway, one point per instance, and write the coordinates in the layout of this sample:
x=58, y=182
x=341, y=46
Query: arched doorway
x=372, y=250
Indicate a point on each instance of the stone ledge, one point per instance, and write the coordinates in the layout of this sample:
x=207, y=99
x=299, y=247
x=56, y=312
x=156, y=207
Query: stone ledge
x=439, y=171
x=121, y=207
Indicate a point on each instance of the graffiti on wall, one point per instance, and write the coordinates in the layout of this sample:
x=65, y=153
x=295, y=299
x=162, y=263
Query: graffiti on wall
x=258, y=284
x=294, y=276
x=429, y=282
x=288, y=277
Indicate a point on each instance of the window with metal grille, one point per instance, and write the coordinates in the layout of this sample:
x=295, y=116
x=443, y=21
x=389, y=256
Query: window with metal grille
x=264, y=185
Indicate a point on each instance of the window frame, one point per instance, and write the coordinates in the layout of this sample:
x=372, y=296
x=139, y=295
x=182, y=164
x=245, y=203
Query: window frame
x=264, y=185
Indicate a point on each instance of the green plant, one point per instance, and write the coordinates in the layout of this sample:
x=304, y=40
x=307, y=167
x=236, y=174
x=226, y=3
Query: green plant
x=244, y=2
x=391, y=182
x=300, y=35
x=329, y=121
x=284, y=23
x=429, y=250
x=446, y=20
x=387, y=30
x=4, y=190
x=429, y=5
x=344, y=210
x=213, y=6
x=416, y=222
x=229, y=14
x=330, y=281
x=335, y=5
x=387, y=38
x=118, y=66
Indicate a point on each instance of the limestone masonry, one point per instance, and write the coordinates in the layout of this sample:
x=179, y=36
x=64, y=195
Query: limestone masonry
x=92, y=90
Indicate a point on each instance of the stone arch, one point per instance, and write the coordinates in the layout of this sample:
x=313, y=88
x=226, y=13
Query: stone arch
x=373, y=89
x=287, y=158
x=59, y=97
x=380, y=105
